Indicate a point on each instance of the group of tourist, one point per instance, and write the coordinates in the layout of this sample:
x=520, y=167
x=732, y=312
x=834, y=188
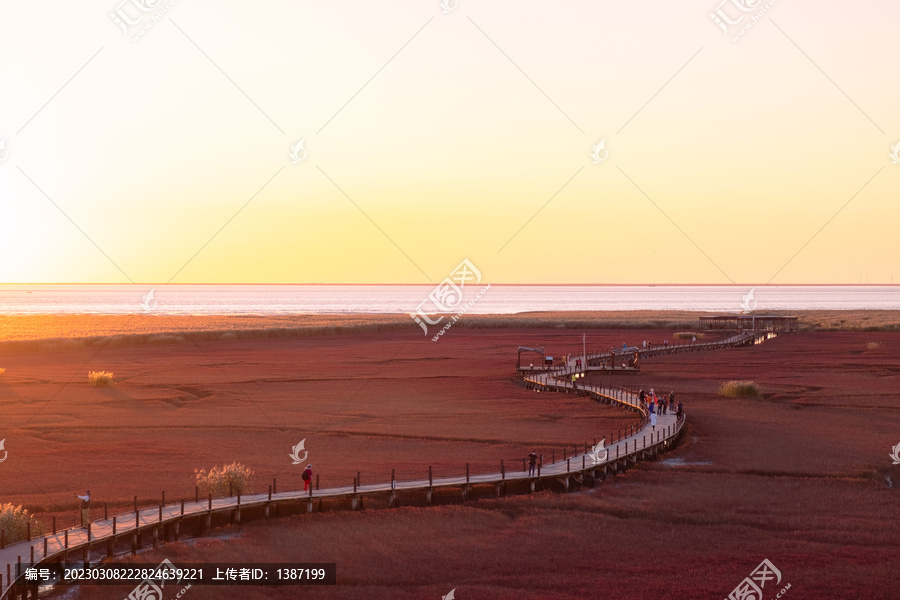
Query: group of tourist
x=660, y=405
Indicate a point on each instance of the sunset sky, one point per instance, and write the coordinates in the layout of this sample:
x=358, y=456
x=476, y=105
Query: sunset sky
x=436, y=137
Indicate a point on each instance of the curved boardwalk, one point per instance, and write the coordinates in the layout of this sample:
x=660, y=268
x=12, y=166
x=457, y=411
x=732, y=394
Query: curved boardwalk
x=168, y=521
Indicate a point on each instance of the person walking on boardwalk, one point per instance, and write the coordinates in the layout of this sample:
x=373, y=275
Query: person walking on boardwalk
x=307, y=477
x=642, y=396
x=85, y=508
x=680, y=410
x=577, y=364
x=653, y=420
x=532, y=463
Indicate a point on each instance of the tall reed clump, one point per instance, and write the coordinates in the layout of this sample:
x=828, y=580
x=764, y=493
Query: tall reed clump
x=100, y=378
x=233, y=479
x=14, y=523
x=739, y=389
x=687, y=335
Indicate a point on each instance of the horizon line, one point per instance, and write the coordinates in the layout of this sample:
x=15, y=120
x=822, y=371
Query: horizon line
x=737, y=284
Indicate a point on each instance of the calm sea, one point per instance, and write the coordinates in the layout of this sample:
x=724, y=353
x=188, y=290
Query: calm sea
x=499, y=299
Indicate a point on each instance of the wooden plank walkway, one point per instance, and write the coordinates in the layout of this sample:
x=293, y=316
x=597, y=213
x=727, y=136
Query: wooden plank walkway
x=642, y=442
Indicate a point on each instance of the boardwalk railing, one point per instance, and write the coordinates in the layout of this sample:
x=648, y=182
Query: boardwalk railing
x=601, y=358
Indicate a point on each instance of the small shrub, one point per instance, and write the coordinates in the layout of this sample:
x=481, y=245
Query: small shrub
x=739, y=389
x=234, y=478
x=869, y=346
x=100, y=378
x=687, y=335
x=14, y=523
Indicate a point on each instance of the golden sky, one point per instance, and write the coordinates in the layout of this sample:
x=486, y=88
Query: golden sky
x=433, y=137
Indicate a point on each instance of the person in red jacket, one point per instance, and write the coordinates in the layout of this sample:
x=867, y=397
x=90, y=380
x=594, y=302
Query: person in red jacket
x=307, y=477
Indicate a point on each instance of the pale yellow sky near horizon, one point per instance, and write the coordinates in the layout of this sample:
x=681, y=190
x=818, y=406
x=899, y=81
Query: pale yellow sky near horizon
x=435, y=137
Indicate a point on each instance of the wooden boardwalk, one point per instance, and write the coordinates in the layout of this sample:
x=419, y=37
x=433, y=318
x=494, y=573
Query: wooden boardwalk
x=169, y=521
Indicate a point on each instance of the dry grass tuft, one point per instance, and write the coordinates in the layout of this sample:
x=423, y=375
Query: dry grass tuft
x=869, y=346
x=2, y=371
x=227, y=480
x=14, y=523
x=687, y=335
x=739, y=389
x=100, y=378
